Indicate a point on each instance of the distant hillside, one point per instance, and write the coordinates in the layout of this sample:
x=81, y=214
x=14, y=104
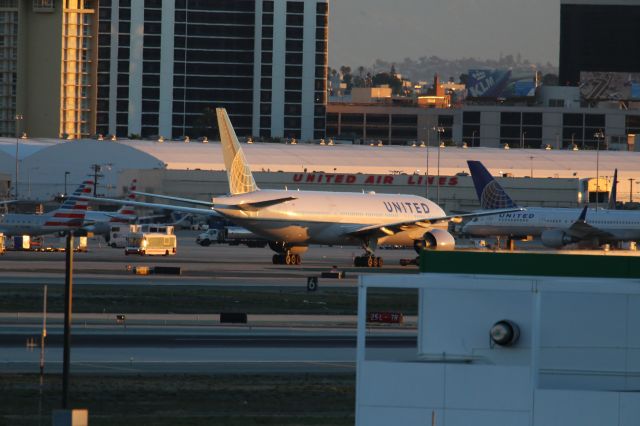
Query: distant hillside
x=425, y=68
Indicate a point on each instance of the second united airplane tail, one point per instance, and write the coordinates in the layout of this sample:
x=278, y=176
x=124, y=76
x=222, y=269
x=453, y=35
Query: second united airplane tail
x=490, y=193
x=238, y=171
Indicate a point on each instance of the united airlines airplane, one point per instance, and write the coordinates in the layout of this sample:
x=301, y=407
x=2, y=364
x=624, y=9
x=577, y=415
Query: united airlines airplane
x=292, y=220
x=70, y=215
x=556, y=227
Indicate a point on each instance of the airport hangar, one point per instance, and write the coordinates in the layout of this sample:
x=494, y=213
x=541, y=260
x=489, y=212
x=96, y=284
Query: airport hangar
x=196, y=169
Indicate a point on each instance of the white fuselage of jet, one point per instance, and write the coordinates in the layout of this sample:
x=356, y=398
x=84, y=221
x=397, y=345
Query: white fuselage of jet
x=29, y=224
x=623, y=225
x=315, y=217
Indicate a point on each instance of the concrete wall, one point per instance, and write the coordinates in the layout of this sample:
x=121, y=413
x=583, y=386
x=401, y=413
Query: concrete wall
x=576, y=362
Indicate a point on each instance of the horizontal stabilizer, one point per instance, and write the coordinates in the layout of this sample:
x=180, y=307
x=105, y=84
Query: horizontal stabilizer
x=263, y=204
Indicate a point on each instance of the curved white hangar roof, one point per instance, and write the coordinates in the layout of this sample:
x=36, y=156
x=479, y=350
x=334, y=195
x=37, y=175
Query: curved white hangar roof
x=44, y=161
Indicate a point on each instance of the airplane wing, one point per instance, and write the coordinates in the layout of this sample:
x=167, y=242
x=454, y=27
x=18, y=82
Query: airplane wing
x=194, y=210
x=581, y=230
x=393, y=228
x=180, y=199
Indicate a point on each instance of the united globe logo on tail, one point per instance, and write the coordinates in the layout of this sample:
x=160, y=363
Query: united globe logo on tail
x=490, y=194
x=494, y=197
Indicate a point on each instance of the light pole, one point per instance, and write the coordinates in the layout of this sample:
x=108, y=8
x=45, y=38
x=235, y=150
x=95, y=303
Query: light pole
x=598, y=135
x=440, y=131
x=19, y=117
x=473, y=138
x=66, y=174
x=531, y=165
x=523, y=135
x=428, y=143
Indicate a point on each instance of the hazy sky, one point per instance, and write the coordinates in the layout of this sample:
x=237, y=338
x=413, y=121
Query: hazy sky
x=362, y=31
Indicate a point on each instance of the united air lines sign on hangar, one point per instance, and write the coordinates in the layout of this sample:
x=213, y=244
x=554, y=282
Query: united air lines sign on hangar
x=368, y=179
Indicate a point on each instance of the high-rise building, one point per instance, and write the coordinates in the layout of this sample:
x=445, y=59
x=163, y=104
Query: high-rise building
x=47, y=67
x=165, y=65
x=598, y=35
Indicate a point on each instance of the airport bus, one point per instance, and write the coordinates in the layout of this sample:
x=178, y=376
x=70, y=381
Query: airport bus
x=151, y=243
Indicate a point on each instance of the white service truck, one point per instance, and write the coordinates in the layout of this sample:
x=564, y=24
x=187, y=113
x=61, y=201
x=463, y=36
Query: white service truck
x=232, y=235
x=119, y=233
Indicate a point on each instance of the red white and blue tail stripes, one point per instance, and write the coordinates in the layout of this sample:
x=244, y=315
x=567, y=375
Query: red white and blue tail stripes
x=71, y=213
x=127, y=213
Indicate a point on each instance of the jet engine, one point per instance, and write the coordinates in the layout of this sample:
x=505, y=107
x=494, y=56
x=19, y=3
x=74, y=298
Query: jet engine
x=555, y=238
x=436, y=239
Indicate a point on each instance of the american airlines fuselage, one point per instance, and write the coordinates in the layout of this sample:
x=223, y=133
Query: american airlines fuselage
x=30, y=224
x=623, y=225
x=328, y=217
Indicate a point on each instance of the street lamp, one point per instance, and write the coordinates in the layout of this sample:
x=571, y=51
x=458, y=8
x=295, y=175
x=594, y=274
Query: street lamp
x=428, y=143
x=531, y=165
x=440, y=131
x=598, y=135
x=630, y=189
x=19, y=117
x=523, y=135
x=473, y=138
x=66, y=174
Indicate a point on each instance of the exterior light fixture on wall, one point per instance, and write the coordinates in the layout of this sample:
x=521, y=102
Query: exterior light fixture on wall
x=504, y=333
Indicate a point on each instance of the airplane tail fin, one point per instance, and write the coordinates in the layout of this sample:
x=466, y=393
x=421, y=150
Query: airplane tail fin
x=490, y=193
x=614, y=192
x=238, y=171
x=72, y=211
x=127, y=210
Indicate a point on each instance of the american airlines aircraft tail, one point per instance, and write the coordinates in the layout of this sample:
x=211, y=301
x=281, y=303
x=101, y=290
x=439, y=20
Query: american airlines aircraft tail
x=72, y=211
x=126, y=213
x=238, y=171
x=490, y=193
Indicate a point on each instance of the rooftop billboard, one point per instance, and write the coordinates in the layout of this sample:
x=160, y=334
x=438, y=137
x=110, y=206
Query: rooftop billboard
x=610, y=85
x=495, y=83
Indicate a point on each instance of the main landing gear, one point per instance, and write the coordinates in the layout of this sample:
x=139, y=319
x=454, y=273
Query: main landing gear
x=286, y=254
x=286, y=259
x=369, y=261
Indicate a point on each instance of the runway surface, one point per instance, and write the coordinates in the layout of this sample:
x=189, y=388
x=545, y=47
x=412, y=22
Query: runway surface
x=194, y=343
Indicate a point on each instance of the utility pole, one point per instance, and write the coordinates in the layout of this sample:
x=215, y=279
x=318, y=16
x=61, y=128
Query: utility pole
x=97, y=168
